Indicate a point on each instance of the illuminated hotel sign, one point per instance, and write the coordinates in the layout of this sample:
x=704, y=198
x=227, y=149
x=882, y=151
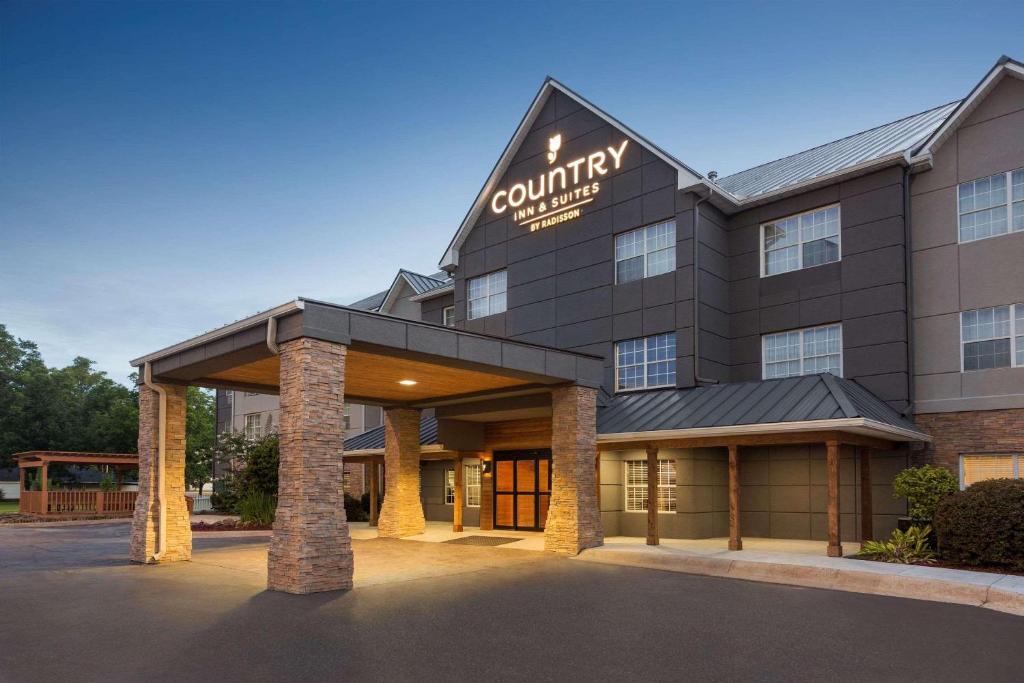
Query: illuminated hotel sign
x=558, y=194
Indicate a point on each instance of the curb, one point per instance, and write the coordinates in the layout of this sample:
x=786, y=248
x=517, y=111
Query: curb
x=888, y=583
x=70, y=522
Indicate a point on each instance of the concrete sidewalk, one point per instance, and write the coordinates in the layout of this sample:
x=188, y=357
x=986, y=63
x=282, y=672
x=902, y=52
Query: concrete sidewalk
x=1002, y=592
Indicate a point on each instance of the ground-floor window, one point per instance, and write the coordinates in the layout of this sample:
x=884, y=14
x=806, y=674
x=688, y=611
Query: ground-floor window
x=472, y=486
x=449, y=487
x=253, y=429
x=976, y=467
x=636, y=486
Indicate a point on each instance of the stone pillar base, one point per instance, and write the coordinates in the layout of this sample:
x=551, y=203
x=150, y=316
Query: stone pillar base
x=574, y=520
x=146, y=519
x=311, y=550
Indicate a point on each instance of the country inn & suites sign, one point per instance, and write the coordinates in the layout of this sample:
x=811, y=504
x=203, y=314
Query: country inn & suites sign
x=558, y=194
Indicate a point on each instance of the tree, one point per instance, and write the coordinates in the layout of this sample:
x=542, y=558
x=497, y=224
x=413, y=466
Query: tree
x=200, y=436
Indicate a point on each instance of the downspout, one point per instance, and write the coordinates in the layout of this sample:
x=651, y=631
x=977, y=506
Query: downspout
x=272, y=336
x=161, y=479
x=909, y=277
x=697, y=379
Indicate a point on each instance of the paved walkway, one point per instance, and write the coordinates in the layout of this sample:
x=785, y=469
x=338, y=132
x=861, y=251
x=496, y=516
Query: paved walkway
x=803, y=563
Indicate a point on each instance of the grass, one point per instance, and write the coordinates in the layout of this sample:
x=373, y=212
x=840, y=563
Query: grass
x=8, y=506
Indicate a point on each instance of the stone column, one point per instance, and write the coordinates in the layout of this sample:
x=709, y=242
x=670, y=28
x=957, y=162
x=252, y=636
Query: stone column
x=146, y=520
x=402, y=514
x=311, y=551
x=574, y=521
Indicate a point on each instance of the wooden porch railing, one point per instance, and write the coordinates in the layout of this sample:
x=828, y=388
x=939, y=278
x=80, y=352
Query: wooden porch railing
x=111, y=503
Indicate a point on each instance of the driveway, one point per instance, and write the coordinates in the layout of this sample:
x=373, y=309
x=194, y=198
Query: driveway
x=74, y=610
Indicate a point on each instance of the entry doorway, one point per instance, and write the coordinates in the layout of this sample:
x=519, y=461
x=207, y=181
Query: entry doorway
x=522, y=489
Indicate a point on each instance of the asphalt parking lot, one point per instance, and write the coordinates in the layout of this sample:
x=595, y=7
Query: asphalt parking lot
x=75, y=610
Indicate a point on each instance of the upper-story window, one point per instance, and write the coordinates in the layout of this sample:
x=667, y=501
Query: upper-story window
x=346, y=416
x=803, y=352
x=486, y=294
x=991, y=206
x=800, y=241
x=646, y=363
x=992, y=337
x=449, y=316
x=645, y=252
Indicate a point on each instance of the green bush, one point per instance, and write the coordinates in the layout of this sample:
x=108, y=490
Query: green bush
x=254, y=465
x=984, y=524
x=903, y=547
x=257, y=508
x=108, y=483
x=923, y=487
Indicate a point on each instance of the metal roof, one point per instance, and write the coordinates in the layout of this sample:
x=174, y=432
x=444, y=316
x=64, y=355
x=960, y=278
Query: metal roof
x=770, y=401
x=892, y=138
x=370, y=303
x=793, y=399
x=423, y=283
x=373, y=439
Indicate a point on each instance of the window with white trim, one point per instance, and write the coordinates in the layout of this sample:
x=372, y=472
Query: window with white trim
x=449, y=316
x=472, y=473
x=992, y=337
x=449, y=487
x=253, y=428
x=346, y=416
x=802, y=352
x=801, y=241
x=975, y=467
x=645, y=252
x=991, y=206
x=646, y=362
x=486, y=294
x=636, y=486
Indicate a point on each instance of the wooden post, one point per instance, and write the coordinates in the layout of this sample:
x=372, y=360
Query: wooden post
x=835, y=547
x=457, y=512
x=99, y=502
x=374, y=490
x=735, y=540
x=486, y=492
x=652, y=495
x=119, y=475
x=22, y=498
x=44, y=475
x=867, y=532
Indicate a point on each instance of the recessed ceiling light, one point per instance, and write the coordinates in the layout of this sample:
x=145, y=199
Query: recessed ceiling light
x=407, y=382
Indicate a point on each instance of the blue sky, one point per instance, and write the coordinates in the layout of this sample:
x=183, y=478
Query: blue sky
x=166, y=168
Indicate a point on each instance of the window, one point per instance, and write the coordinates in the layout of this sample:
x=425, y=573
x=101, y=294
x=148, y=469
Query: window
x=346, y=416
x=992, y=337
x=801, y=241
x=449, y=316
x=486, y=294
x=636, y=486
x=977, y=467
x=802, y=352
x=646, y=363
x=253, y=430
x=991, y=206
x=472, y=486
x=645, y=252
x=346, y=481
x=449, y=487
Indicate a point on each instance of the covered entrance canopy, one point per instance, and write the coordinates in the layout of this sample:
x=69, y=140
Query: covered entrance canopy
x=316, y=356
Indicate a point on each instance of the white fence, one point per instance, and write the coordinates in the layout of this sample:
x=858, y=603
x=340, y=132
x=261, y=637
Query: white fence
x=201, y=503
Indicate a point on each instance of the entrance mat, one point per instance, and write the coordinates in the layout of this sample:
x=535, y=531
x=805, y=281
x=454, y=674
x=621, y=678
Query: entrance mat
x=483, y=540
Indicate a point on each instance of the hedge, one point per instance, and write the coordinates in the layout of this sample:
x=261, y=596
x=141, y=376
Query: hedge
x=983, y=524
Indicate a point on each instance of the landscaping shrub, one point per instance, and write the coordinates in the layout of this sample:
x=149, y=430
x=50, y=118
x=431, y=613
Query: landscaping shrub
x=984, y=524
x=903, y=547
x=254, y=468
x=257, y=508
x=354, y=509
x=923, y=487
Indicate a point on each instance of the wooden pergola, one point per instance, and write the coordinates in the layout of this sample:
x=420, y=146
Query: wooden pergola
x=832, y=440
x=75, y=502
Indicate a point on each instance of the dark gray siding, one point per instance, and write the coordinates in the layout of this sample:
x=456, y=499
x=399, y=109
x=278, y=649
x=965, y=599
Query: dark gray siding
x=432, y=310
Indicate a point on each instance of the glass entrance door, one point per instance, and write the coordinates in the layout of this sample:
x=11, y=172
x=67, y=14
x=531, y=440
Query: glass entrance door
x=522, y=489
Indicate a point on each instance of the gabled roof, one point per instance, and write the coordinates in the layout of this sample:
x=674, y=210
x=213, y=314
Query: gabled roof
x=370, y=303
x=1003, y=67
x=781, y=404
x=686, y=175
x=891, y=139
x=420, y=284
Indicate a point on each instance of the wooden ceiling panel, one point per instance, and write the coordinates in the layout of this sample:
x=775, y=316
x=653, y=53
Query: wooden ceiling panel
x=377, y=376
